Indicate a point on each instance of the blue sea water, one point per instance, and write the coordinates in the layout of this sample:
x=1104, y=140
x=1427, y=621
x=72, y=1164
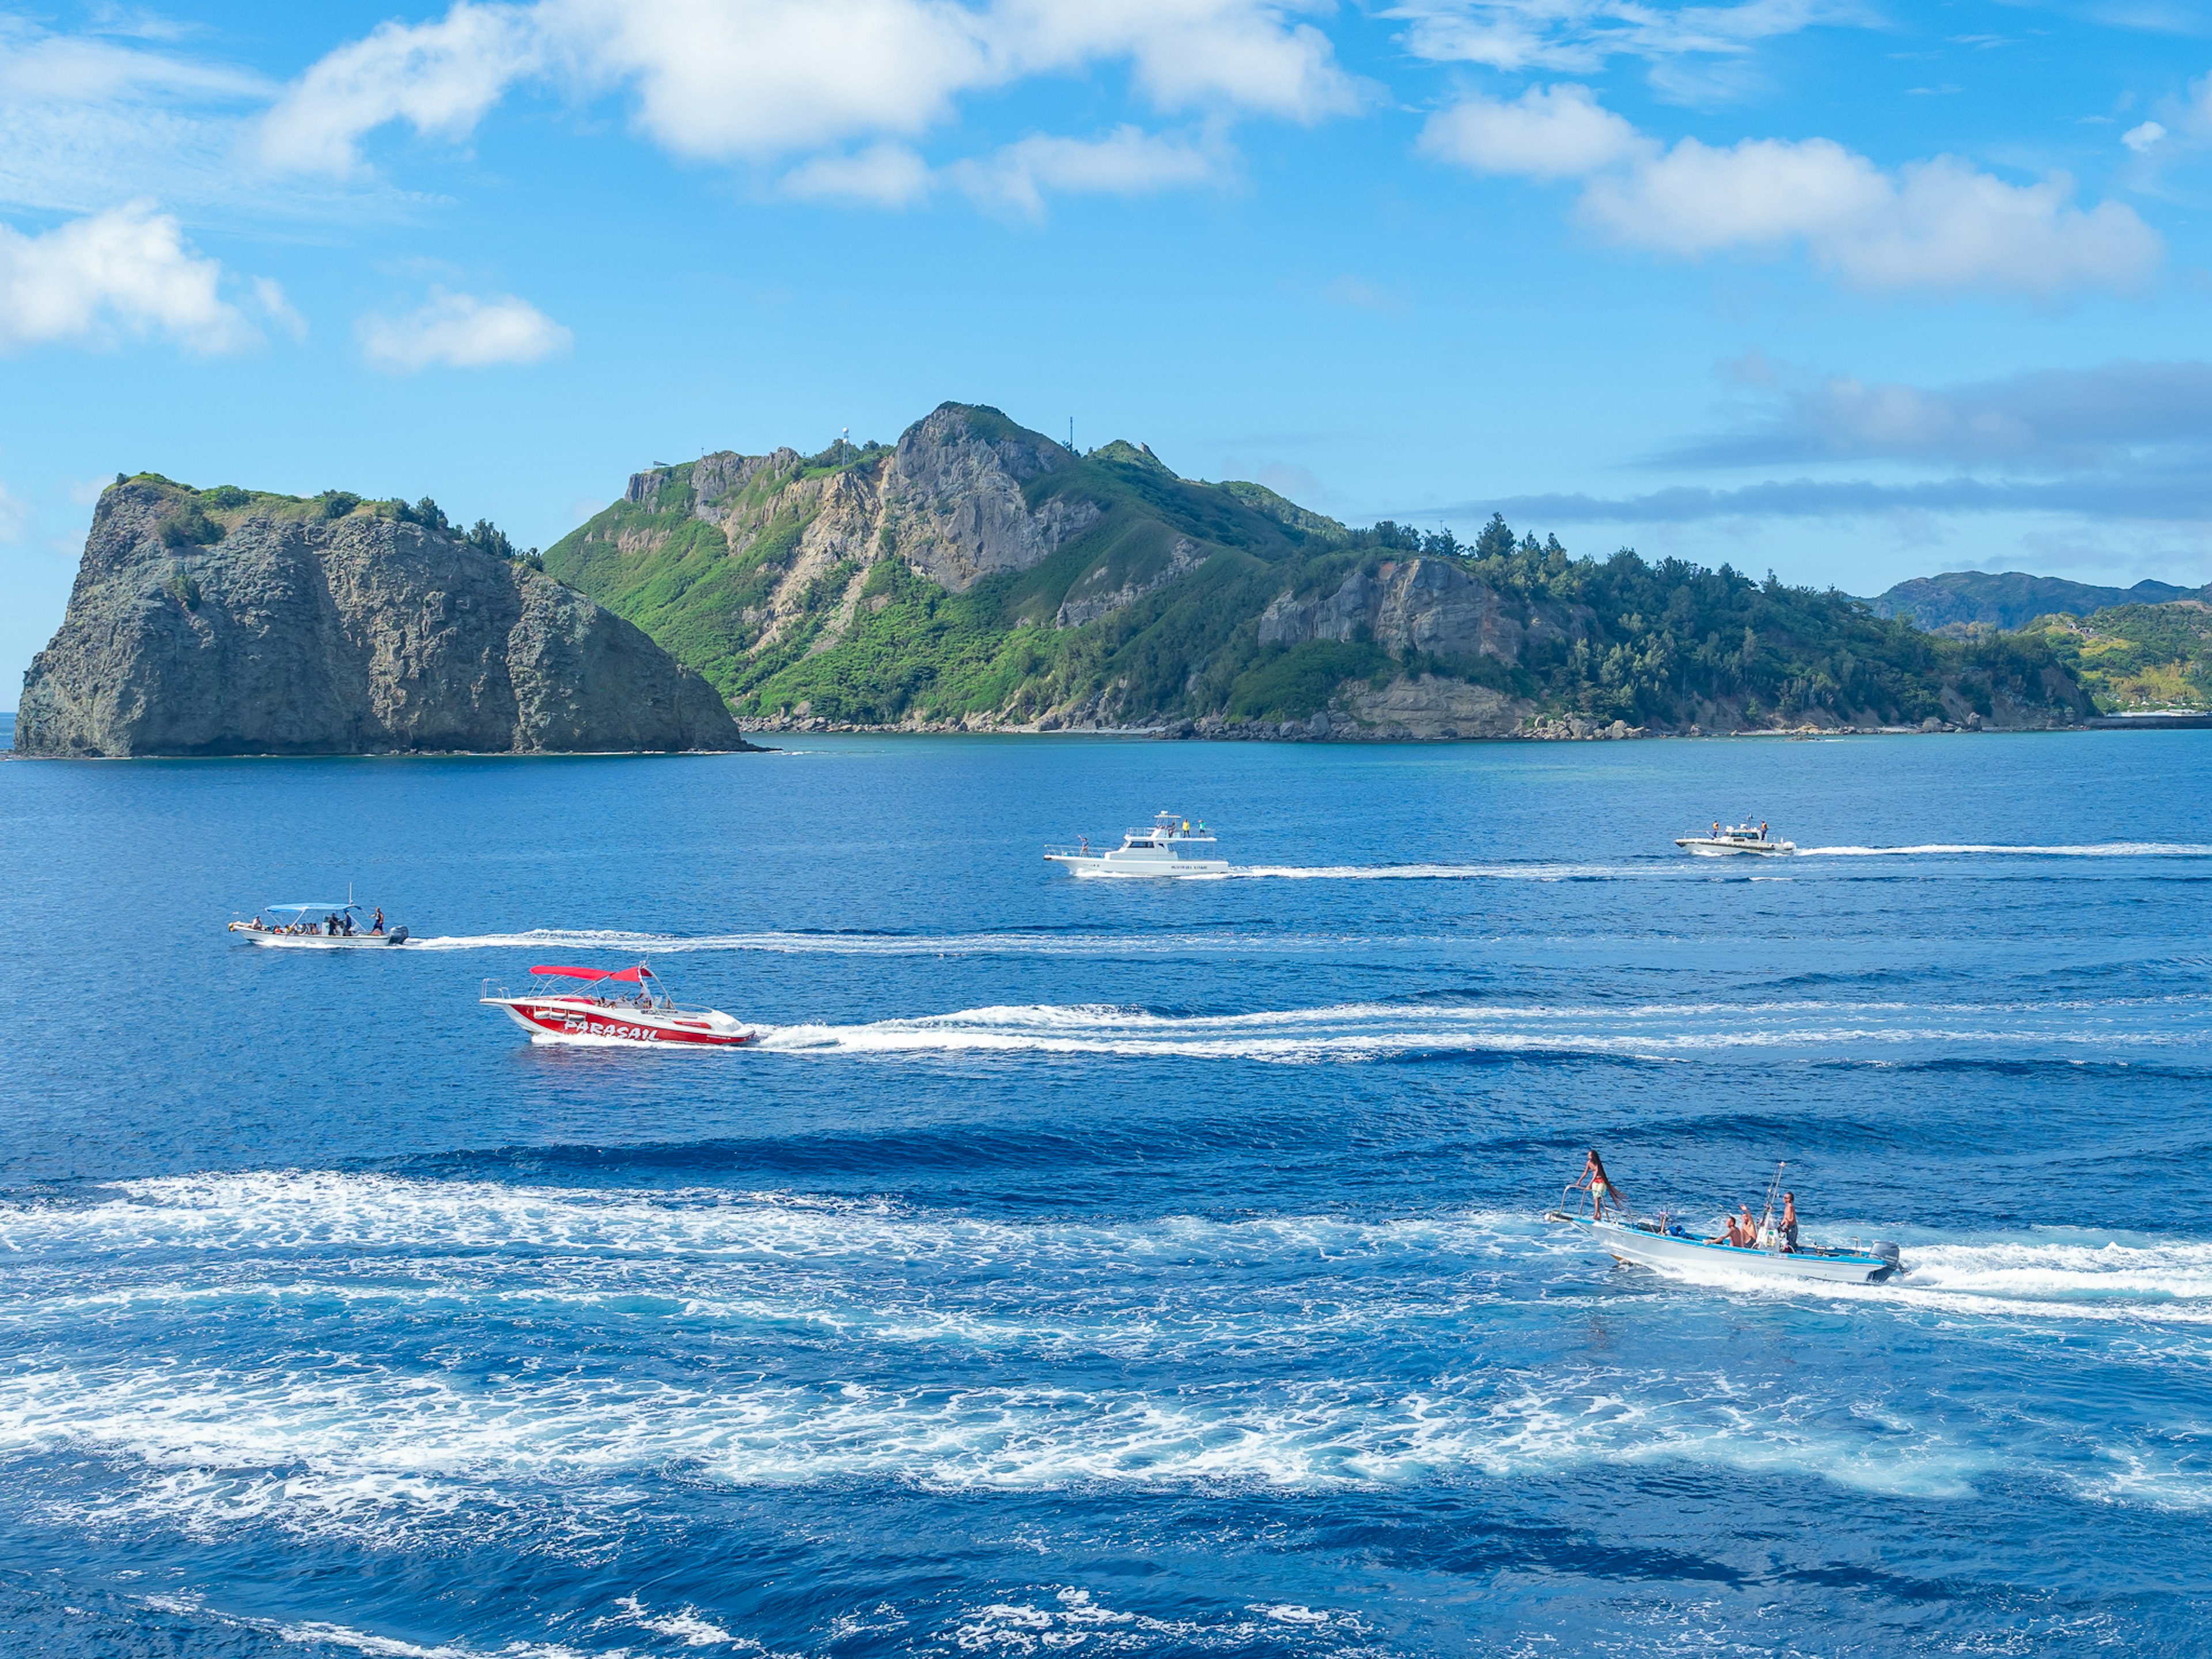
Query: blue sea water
x=1100, y=1268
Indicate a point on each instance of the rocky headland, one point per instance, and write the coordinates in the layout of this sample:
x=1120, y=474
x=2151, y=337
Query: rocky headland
x=229, y=622
x=979, y=576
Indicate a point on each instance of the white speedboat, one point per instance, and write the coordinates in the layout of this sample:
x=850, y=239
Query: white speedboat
x=315, y=927
x=1162, y=850
x=1668, y=1246
x=1736, y=838
x=616, y=1006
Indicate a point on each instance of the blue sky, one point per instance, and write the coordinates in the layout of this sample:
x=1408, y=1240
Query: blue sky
x=1850, y=291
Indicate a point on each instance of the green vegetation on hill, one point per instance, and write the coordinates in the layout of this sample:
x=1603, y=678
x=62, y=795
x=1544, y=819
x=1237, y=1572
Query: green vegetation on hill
x=200, y=518
x=2010, y=599
x=806, y=588
x=2136, y=656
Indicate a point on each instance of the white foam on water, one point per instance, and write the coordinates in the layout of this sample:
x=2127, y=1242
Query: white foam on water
x=689, y=1626
x=2166, y=1284
x=898, y=944
x=1499, y=871
x=328, y=1435
x=1368, y=1031
x=2110, y=849
x=322, y=1635
x=1074, y=1619
x=257, y=1215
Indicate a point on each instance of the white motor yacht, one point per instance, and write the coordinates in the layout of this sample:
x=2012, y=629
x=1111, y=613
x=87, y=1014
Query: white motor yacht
x=1162, y=850
x=1736, y=838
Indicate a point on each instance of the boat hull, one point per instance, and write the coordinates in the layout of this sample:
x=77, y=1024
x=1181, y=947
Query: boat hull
x=1093, y=866
x=1705, y=847
x=566, y=1019
x=1670, y=1253
x=240, y=934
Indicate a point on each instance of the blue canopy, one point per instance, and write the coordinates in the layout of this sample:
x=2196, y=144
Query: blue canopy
x=312, y=907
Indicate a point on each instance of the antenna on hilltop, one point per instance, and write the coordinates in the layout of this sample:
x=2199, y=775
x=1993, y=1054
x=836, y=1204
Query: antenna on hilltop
x=1071, y=434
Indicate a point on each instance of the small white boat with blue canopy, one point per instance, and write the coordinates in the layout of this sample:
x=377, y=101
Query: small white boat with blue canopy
x=1761, y=1250
x=325, y=926
x=1164, y=849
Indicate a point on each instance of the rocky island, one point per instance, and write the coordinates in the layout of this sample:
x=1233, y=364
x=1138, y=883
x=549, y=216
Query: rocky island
x=234, y=621
x=976, y=575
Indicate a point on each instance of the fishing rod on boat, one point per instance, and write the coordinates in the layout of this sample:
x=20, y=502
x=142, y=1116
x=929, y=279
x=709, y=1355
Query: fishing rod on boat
x=1773, y=1192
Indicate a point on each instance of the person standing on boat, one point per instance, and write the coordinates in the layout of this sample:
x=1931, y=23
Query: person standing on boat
x=1788, y=1223
x=376, y=925
x=1599, y=1185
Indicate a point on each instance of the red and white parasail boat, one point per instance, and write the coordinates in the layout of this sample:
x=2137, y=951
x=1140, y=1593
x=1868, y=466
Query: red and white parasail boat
x=622, y=1005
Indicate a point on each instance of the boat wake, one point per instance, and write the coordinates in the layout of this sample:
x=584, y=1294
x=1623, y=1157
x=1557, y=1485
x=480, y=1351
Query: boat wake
x=2109, y=849
x=1500, y=872
x=1298, y=1351
x=1037, y=943
x=1381, y=1031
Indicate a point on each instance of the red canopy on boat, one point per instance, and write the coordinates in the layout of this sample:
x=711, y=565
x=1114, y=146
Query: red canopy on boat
x=631, y=974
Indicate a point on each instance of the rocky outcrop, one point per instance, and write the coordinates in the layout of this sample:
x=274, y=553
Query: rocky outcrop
x=952, y=498
x=1429, y=707
x=947, y=501
x=1094, y=597
x=1416, y=604
x=328, y=627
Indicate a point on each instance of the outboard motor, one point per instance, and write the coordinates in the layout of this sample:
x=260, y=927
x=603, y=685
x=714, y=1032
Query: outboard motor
x=1888, y=1252
x=398, y=936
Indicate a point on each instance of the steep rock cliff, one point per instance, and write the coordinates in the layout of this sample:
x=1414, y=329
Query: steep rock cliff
x=752, y=567
x=223, y=622
x=1418, y=605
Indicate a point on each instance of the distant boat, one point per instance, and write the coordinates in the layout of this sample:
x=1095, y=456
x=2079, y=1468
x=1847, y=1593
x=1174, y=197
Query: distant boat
x=1159, y=851
x=611, y=1011
x=303, y=927
x=1736, y=838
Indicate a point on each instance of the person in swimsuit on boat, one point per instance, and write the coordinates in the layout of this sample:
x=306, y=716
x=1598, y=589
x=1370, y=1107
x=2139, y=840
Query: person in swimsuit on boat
x=1788, y=1223
x=1748, y=1230
x=1599, y=1186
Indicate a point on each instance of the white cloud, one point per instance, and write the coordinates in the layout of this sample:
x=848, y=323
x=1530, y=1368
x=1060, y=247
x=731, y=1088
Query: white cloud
x=759, y=79
x=885, y=174
x=124, y=272
x=1549, y=132
x=1017, y=178
x=2141, y=138
x=86, y=120
x=41, y=68
x=460, y=330
x=1125, y=163
x=1936, y=224
x=1580, y=35
x=269, y=299
x=439, y=77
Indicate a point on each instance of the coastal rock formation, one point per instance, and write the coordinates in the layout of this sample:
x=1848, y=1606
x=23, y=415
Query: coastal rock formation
x=226, y=622
x=979, y=576
x=1430, y=707
x=1416, y=604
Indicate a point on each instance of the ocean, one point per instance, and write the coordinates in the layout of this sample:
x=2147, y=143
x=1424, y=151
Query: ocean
x=1110, y=1268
